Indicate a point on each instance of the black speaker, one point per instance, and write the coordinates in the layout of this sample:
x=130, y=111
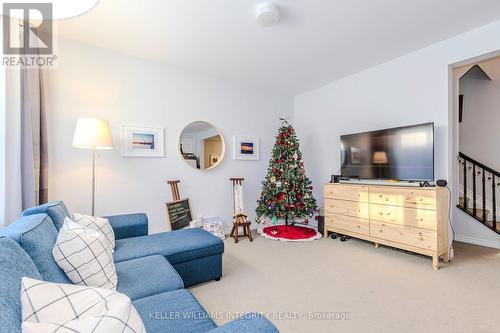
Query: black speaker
x=441, y=183
x=334, y=179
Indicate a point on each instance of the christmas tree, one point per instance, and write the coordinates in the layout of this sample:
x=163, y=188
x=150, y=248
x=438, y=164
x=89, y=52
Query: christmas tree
x=286, y=191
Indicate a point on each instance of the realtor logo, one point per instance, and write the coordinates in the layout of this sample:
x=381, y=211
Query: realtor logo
x=34, y=36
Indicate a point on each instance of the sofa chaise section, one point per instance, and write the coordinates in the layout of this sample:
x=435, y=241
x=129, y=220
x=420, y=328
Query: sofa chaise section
x=136, y=278
x=194, y=253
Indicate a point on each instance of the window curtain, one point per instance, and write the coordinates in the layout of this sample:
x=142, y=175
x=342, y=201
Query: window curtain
x=26, y=172
x=34, y=161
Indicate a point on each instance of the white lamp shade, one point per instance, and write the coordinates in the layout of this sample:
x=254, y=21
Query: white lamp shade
x=92, y=133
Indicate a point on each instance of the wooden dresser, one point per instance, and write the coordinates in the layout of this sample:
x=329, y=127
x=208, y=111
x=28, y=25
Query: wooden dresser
x=410, y=218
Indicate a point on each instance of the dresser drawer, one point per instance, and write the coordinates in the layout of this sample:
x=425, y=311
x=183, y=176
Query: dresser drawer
x=411, y=217
x=412, y=198
x=346, y=192
x=348, y=223
x=425, y=239
x=349, y=208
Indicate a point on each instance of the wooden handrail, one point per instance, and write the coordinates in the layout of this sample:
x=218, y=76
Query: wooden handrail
x=479, y=164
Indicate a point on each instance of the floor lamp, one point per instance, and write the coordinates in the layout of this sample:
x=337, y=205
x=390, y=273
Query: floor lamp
x=92, y=133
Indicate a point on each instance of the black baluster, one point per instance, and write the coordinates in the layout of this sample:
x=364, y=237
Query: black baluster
x=474, y=190
x=484, y=196
x=465, y=185
x=494, y=202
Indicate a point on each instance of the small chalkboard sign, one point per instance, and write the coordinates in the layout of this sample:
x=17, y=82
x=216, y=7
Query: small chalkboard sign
x=179, y=214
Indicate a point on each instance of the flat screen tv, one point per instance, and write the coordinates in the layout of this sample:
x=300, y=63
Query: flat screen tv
x=402, y=153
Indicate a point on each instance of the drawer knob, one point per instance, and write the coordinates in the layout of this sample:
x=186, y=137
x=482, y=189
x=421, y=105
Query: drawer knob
x=420, y=239
x=380, y=196
x=380, y=213
x=388, y=213
x=359, y=227
x=421, y=199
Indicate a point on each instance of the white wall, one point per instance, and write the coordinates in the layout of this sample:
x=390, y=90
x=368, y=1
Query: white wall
x=91, y=81
x=479, y=131
x=408, y=90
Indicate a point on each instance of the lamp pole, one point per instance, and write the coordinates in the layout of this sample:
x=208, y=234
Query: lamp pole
x=93, y=181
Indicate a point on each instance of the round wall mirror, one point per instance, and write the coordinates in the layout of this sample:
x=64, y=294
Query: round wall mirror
x=201, y=145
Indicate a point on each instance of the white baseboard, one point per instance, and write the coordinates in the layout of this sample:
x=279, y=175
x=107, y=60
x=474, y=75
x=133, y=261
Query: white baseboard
x=478, y=241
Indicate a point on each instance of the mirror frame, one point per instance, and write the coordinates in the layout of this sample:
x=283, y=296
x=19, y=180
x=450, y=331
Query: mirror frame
x=223, y=153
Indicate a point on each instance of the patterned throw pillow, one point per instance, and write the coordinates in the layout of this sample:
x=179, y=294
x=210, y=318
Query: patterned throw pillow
x=100, y=224
x=85, y=256
x=52, y=307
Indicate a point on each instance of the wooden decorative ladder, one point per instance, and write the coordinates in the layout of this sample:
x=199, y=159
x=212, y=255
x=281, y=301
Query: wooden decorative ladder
x=489, y=180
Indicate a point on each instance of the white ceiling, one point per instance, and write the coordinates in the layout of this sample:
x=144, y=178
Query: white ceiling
x=317, y=41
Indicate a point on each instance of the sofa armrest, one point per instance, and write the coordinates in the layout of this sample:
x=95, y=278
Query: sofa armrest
x=248, y=323
x=129, y=225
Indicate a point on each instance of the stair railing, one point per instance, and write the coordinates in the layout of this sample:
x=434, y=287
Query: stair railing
x=478, y=168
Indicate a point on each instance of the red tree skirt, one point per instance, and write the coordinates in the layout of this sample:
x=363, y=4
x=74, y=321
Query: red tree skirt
x=290, y=233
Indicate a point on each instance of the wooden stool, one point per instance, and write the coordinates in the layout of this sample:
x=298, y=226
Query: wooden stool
x=240, y=220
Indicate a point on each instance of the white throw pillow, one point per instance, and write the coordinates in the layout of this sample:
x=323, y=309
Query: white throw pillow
x=53, y=307
x=85, y=256
x=100, y=224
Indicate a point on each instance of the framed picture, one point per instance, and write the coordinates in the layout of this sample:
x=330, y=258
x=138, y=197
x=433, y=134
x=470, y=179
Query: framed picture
x=213, y=159
x=246, y=148
x=141, y=141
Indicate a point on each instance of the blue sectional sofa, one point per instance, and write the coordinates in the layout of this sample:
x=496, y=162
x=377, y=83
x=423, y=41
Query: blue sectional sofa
x=194, y=253
x=152, y=270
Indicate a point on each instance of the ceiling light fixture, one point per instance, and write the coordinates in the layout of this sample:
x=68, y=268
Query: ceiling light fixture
x=268, y=14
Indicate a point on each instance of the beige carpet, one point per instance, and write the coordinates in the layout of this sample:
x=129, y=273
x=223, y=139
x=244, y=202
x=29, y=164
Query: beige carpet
x=382, y=290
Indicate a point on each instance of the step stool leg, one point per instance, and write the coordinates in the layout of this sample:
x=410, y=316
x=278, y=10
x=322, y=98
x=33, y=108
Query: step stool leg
x=250, y=233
